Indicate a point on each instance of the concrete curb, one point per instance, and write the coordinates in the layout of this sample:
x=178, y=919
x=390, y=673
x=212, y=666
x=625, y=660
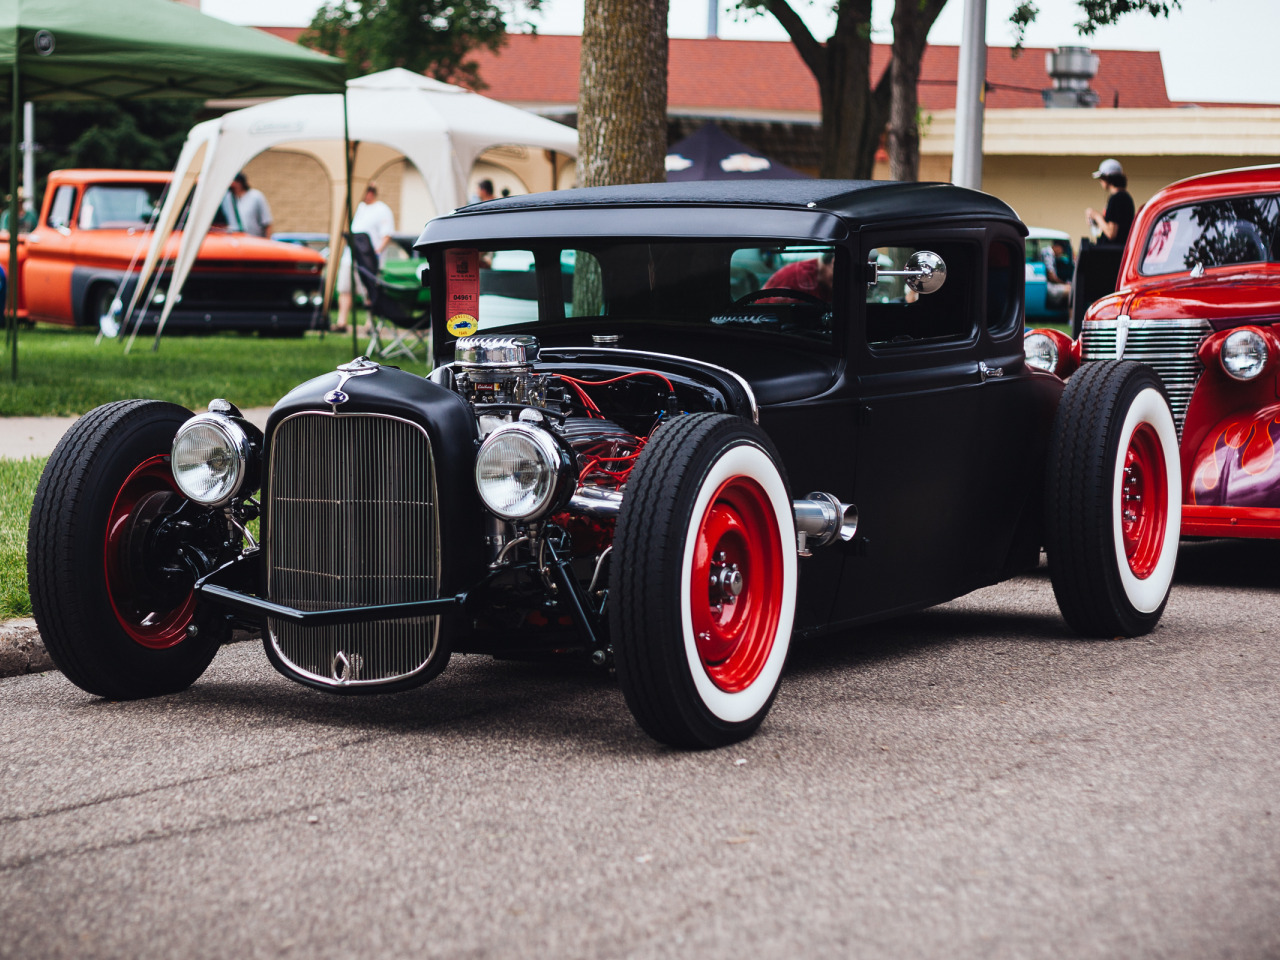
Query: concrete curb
x=21, y=649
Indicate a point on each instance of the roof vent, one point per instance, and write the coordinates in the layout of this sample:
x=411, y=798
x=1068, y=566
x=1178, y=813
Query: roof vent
x=1071, y=69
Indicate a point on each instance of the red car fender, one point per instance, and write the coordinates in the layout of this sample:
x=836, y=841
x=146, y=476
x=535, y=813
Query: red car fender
x=1232, y=428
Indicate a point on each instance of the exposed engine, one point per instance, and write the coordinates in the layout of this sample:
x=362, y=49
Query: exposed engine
x=495, y=374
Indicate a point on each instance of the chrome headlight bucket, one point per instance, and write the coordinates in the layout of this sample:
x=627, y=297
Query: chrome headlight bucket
x=522, y=473
x=215, y=457
x=1244, y=354
x=1041, y=352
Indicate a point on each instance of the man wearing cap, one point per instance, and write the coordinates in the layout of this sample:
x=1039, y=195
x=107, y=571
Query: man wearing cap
x=1113, y=224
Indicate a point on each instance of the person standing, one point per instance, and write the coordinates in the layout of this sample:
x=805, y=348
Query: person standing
x=374, y=218
x=252, y=213
x=1113, y=223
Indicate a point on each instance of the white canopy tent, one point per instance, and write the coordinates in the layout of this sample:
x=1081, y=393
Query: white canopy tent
x=440, y=128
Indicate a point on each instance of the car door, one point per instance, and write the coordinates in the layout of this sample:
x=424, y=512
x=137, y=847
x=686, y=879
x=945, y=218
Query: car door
x=46, y=273
x=939, y=435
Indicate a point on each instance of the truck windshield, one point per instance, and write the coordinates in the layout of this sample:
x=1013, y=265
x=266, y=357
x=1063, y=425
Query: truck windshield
x=119, y=206
x=782, y=288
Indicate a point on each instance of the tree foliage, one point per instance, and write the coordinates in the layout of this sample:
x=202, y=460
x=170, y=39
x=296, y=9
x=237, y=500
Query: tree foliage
x=123, y=134
x=434, y=37
x=857, y=108
x=1094, y=14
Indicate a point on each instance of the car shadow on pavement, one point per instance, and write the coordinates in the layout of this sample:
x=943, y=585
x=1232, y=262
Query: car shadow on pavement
x=475, y=697
x=1228, y=563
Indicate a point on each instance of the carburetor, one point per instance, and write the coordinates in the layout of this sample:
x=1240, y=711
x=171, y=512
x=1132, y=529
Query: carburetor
x=499, y=370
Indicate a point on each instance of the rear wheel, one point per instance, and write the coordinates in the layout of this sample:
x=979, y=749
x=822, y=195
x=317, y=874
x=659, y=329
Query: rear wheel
x=704, y=582
x=1113, y=499
x=113, y=603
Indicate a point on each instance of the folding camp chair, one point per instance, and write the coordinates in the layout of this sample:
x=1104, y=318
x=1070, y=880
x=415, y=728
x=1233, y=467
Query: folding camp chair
x=397, y=322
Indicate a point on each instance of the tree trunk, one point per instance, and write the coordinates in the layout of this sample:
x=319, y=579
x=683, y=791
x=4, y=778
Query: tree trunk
x=911, y=22
x=853, y=112
x=622, y=107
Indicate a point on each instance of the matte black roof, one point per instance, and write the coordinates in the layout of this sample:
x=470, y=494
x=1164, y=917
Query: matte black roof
x=861, y=200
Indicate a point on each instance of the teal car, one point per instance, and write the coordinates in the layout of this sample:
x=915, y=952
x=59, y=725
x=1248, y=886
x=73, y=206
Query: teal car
x=1042, y=304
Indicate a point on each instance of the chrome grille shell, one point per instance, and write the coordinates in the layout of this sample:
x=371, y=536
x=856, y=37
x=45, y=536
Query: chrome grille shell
x=351, y=520
x=1167, y=345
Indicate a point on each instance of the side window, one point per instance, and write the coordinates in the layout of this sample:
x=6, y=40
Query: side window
x=898, y=316
x=1004, y=287
x=60, y=210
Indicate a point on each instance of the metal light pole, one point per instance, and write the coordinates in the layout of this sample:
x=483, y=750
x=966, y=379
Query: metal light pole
x=966, y=162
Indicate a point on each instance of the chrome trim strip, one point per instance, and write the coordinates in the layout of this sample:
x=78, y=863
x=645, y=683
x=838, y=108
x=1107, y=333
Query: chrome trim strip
x=741, y=381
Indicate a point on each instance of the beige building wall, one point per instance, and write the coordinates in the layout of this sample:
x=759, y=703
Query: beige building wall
x=1040, y=161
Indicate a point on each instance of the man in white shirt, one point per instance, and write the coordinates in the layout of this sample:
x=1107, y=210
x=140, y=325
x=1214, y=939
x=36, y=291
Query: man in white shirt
x=372, y=217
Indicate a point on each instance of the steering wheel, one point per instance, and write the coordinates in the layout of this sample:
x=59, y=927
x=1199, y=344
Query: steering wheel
x=768, y=293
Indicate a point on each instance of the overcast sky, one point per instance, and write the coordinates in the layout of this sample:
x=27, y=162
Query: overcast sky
x=1214, y=50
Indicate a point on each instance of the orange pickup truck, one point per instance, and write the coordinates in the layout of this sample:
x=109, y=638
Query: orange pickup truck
x=93, y=225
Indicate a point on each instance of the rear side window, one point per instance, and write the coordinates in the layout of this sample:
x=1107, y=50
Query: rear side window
x=1213, y=233
x=1004, y=287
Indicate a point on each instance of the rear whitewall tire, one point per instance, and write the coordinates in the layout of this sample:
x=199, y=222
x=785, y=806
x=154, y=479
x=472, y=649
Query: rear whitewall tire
x=1148, y=594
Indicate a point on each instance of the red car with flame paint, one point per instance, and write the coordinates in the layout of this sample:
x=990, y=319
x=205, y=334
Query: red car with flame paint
x=1199, y=300
x=93, y=228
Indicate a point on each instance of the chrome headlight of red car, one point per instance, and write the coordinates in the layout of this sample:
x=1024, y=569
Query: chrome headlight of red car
x=1041, y=351
x=1244, y=354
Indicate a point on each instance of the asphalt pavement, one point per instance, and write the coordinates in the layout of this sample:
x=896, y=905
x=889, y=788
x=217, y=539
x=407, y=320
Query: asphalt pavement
x=970, y=781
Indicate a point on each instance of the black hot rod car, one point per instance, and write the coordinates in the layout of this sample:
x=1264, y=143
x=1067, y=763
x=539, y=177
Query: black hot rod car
x=671, y=427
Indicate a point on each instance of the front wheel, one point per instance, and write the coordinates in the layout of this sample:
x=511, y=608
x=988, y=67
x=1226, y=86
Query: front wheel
x=704, y=582
x=1113, y=499
x=112, y=600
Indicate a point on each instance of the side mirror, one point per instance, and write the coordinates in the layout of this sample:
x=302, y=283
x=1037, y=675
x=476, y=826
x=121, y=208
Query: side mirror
x=925, y=271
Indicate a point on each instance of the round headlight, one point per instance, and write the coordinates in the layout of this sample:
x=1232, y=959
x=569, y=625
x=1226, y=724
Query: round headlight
x=1244, y=354
x=1041, y=351
x=210, y=459
x=300, y=298
x=521, y=473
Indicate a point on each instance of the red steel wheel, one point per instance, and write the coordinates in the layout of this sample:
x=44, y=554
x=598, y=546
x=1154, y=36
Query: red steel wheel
x=1112, y=504
x=154, y=620
x=1143, y=507
x=703, y=581
x=738, y=559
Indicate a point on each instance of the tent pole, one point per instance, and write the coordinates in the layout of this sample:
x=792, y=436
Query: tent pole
x=346, y=159
x=15, y=226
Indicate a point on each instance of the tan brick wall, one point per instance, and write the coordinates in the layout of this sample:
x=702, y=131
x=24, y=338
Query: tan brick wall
x=295, y=187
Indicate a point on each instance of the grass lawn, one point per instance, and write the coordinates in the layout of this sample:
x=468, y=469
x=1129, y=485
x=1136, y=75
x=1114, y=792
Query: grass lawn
x=61, y=371
x=18, y=479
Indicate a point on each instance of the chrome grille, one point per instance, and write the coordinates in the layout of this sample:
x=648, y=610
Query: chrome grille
x=352, y=521
x=1167, y=345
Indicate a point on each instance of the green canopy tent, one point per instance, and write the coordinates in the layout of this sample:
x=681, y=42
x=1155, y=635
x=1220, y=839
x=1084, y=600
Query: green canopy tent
x=137, y=49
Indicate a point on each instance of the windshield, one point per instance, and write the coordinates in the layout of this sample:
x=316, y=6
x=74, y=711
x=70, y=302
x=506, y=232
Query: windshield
x=119, y=206
x=1213, y=233
x=781, y=288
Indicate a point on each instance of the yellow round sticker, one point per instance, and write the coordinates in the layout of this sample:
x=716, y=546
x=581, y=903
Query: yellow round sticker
x=462, y=325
